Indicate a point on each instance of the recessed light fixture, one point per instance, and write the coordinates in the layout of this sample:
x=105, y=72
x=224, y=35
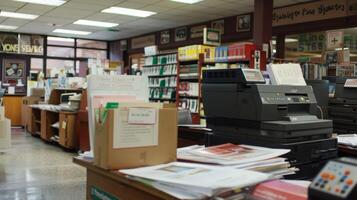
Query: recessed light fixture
x=8, y=27
x=17, y=15
x=128, y=11
x=44, y=2
x=60, y=39
x=95, y=23
x=73, y=32
x=188, y=1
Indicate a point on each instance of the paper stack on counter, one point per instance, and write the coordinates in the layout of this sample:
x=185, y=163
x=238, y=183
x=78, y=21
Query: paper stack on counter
x=278, y=189
x=348, y=140
x=195, y=181
x=239, y=157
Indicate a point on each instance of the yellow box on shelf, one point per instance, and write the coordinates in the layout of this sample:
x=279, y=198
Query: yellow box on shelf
x=192, y=52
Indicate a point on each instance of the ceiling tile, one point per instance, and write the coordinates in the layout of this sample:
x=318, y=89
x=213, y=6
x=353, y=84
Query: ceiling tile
x=169, y=15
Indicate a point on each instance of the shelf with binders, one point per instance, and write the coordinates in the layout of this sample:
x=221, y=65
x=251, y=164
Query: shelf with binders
x=161, y=59
x=189, y=87
x=162, y=54
x=162, y=72
x=227, y=64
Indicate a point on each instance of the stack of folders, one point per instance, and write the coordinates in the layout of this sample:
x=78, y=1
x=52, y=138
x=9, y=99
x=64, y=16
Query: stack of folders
x=196, y=181
x=247, y=157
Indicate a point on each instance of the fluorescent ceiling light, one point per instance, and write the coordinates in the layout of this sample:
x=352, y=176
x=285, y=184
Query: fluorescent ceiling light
x=287, y=40
x=73, y=32
x=44, y=2
x=95, y=23
x=60, y=39
x=128, y=11
x=17, y=15
x=8, y=27
x=340, y=49
x=188, y=1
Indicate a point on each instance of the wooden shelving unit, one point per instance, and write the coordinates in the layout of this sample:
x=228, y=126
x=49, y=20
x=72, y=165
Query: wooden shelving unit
x=41, y=122
x=186, y=83
x=162, y=70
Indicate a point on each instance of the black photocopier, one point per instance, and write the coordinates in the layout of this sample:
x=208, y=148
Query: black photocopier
x=240, y=108
x=343, y=107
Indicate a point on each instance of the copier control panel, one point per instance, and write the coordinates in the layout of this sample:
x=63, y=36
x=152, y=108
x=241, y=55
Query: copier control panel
x=336, y=181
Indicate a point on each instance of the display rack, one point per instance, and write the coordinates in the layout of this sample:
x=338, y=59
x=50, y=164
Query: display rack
x=55, y=126
x=162, y=70
x=189, y=87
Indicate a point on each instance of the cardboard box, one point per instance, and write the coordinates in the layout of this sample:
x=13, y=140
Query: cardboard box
x=107, y=157
x=37, y=92
x=5, y=134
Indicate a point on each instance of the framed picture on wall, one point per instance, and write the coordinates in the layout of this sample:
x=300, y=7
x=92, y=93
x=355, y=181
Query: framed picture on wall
x=219, y=24
x=181, y=34
x=243, y=23
x=165, y=37
x=14, y=74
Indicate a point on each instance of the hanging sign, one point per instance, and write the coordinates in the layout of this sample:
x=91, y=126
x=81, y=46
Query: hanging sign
x=211, y=36
x=334, y=40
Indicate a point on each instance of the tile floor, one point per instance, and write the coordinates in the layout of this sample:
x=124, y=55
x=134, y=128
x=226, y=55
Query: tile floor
x=33, y=170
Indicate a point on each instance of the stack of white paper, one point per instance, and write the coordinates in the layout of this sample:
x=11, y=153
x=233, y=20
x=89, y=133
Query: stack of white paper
x=286, y=74
x=348, y=140
x=194, y=181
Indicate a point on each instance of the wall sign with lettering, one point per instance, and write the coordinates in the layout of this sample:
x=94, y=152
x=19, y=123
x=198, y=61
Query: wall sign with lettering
x=197, y=31
x=141, y=42
x=314, y=11
x=21, y=44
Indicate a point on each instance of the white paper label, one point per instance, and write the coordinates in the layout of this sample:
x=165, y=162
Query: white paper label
x=11, y=90
x=142, y=116
x=126, y=135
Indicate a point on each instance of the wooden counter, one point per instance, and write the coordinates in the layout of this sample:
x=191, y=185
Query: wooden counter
x=116, y=186
x=13, y=107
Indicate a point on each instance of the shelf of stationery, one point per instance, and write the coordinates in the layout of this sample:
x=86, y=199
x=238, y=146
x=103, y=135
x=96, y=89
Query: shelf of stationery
x=227, y=61
x=162, y=87
x=158, y=65
x=242, y=63
x=162, y=54
x=162, y=99
x=189, y=86
x=162, y=70
x=163, y=75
